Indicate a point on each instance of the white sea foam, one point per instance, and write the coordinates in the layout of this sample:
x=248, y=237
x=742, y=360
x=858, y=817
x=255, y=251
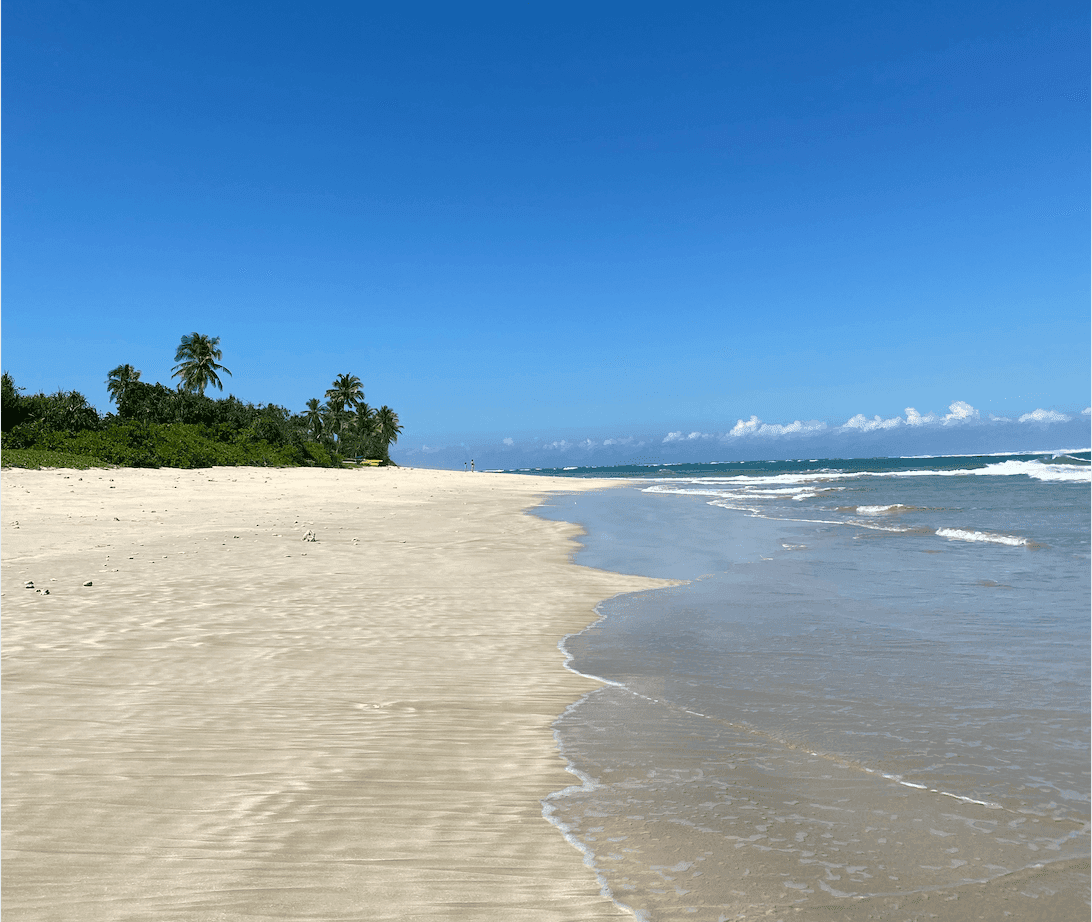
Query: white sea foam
x=587, y=783
x=1040, y=470
x=984, y=537
x=1074, y=472
x=750, y=482
x=880, y=510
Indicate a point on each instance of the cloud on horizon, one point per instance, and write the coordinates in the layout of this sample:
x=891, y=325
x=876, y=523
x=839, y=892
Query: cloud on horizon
x=755, y=426
x=959, y=412
x=679, y=437
x=864, y=424
x=1044, y=416
x=752, y=436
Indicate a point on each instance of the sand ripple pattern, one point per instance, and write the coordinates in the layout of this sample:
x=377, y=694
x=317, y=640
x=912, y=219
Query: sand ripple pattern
x=232, y=723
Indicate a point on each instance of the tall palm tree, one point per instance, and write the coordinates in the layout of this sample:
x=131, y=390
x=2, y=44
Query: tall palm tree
x=197, y=358
x=386, y=421
x=118, y=380
x=346, y=392
x=314, y=418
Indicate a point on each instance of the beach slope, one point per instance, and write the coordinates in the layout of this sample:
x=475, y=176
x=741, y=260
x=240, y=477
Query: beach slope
x=232, y=722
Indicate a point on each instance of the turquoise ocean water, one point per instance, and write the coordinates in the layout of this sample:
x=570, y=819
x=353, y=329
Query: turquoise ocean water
x=869, y=698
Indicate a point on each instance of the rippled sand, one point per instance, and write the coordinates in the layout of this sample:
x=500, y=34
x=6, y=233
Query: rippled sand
x=232, y=722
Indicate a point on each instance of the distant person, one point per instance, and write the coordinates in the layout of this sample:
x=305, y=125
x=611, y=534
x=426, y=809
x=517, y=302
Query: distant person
x=471, y=465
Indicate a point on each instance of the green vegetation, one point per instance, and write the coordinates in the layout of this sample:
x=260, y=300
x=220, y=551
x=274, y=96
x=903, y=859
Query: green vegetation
x=119, y=379
x=35, y=460
x=158, y=426
x=351, y=426
x=197, y=358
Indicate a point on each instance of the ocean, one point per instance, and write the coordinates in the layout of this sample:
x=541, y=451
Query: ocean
x=868, y=697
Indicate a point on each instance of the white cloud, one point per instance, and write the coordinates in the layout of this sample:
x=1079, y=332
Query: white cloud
x=509, y=442
x=587, y=443
x=679, y=437
x=959, y=411
x=914, y=418
x=746, y=428
x=864, y=424
x=1044, y=416
x=628, y=440
x=812, y=425
x=560, y=445
x=1087, y=411
x=755, y=426
x=999, y=419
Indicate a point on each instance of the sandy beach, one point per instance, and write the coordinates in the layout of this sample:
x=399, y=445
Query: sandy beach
x=231, y=722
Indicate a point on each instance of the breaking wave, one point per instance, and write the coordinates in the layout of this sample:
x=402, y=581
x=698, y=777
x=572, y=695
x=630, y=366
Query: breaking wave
x=981, y=537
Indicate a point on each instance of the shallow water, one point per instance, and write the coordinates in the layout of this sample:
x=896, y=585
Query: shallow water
x=870, y=700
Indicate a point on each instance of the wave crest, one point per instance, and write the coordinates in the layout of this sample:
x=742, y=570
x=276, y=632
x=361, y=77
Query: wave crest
x=1039, y=470
x=981, y=537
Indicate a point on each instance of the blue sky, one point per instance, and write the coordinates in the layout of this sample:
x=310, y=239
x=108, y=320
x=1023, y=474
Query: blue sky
x=558, y=223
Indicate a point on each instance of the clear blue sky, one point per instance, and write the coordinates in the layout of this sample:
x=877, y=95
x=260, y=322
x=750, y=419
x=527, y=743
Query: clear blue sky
x=555, y=220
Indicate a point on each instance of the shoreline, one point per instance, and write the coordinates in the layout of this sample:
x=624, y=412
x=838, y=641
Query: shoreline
x=232, y=722
x=677, y=760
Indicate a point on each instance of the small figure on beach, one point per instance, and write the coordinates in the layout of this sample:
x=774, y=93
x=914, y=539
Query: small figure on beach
x=472, y=465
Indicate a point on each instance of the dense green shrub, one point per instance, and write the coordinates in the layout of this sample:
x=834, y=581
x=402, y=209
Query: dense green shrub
x=35, y=460
x=229, y=417
x=130, y=444
x=12, y=409
x=158, y=426
x=65, y=410
x=156, y=403
x=319, y=457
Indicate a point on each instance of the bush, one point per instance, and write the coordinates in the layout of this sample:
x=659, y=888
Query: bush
x=65, y=410
x=13, y=410
x=318, y=456
x=156, y=426
x=131, y=444
x=35, y=460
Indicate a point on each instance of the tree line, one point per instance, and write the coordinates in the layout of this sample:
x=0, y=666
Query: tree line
x=155, y=425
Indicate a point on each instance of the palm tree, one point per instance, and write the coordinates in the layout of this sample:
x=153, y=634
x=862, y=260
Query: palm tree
x=346, y=391
x=386, y=421
x=197, y=358
x=360, y=431
x=313, y=417
x=119, y=379
x=333, y=418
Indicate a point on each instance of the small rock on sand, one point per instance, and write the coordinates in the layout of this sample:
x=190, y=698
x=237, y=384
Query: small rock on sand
x=88, y=583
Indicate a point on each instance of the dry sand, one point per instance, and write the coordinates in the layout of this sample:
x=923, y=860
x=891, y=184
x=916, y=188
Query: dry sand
x=234, y=723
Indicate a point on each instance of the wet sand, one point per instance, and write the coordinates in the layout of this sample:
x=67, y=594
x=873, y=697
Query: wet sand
x=235, y=723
